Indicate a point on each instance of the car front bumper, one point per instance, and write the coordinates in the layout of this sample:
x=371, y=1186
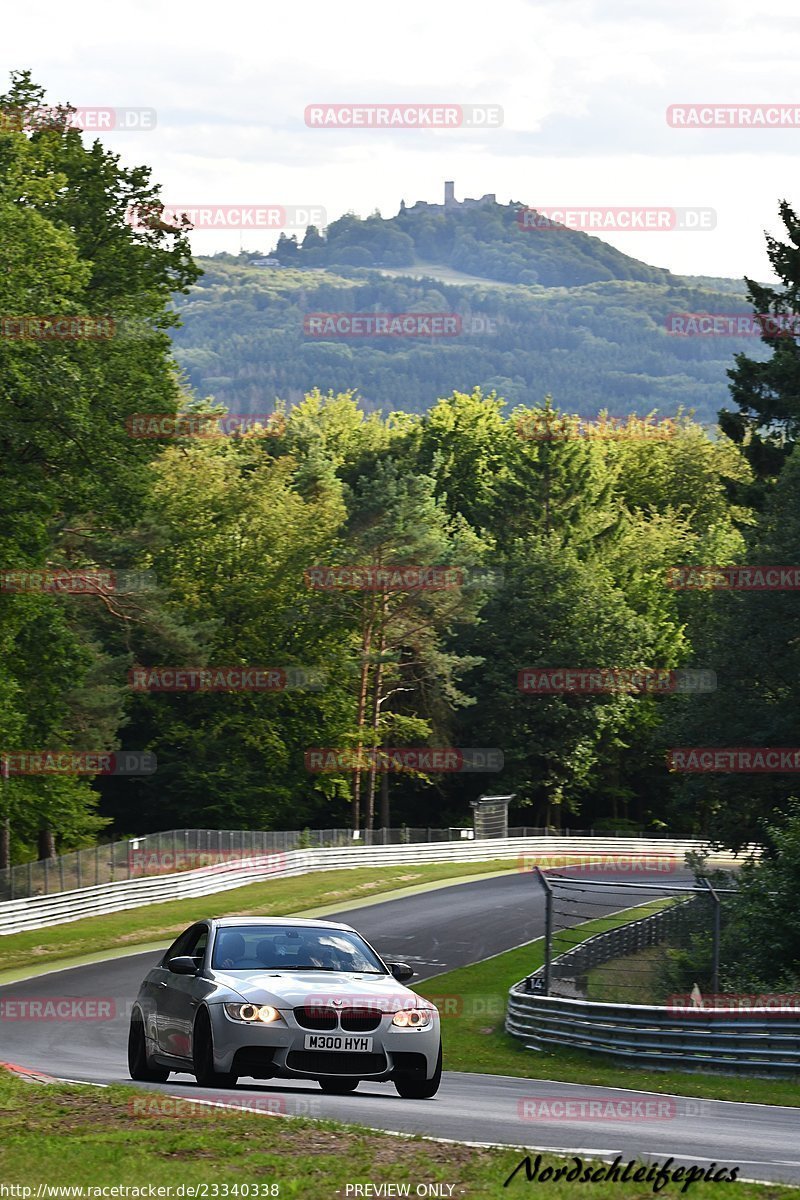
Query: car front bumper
x=278, y=1049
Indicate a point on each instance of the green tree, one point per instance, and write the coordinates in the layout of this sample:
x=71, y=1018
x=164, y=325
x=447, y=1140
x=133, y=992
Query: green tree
x=767, y=394
x=73, y=480
x=752, y=640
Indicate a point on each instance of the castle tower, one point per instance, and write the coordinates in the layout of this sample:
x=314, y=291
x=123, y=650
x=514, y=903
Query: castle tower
x=449, y=193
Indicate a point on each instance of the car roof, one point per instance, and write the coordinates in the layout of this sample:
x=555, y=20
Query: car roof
x=234, y=922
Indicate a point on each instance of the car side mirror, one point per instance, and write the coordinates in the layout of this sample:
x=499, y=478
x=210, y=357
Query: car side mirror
x=183, y=965
x=401, y=971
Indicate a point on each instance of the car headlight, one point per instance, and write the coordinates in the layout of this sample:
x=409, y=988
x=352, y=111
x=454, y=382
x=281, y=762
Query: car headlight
x=253, y=1013
x=413, y=1018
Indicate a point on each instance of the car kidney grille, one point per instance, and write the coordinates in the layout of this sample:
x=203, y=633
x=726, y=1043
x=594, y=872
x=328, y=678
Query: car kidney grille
x=324, y=1062
x=315, y=1017
x=360, y=1020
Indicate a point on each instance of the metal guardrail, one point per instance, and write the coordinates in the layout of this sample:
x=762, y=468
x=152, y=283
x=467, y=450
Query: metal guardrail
x=756, y=1041
x=41, y=911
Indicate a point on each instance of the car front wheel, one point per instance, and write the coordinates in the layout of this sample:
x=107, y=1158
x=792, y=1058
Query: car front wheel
x=203, y=1056
x=138, y=1066
x=420, y=1089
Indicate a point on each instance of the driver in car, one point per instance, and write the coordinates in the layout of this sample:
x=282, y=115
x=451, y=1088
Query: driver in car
x=231, y=950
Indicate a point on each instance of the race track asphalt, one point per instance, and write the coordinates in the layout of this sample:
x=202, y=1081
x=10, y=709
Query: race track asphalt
x=434, y=931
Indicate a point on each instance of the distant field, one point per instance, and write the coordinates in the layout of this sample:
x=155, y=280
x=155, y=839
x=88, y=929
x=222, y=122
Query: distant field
x=443, y=274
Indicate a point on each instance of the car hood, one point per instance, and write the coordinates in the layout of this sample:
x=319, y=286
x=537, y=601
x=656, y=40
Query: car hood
x=286, y=989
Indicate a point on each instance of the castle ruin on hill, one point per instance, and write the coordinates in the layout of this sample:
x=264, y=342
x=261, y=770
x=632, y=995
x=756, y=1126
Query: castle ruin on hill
x=450, y=201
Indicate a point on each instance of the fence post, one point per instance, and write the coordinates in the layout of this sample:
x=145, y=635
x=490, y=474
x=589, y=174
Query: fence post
x=716, y=938
x=548, y=928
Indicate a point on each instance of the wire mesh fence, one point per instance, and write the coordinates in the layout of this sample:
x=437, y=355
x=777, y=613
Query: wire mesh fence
x=188, y=849
x=670, y=951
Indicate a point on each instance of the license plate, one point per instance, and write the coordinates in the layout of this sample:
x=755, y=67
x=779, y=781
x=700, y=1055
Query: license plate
x=338, y=1041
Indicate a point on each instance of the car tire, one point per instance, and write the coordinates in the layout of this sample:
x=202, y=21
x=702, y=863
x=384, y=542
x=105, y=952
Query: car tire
x=420, y=1089
x=203, y=1056
x=338, y=1085
x=139, y=1067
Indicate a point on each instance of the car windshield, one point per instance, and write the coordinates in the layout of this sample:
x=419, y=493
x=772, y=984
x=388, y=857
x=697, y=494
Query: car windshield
x=292, y=948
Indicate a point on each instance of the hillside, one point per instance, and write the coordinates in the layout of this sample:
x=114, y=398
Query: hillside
x=489, y=241
x=554, y=311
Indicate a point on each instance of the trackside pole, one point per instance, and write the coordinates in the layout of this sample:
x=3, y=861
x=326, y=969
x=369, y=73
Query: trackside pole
x=548, y=927
x=715, y=952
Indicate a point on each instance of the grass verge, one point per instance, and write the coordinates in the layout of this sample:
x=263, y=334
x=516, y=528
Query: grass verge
x=633, y=979
x=163, y=921
x=86, y=1137
x=472, y=1001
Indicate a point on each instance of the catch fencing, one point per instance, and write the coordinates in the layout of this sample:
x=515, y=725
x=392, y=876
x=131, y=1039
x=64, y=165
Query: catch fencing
x=568, y=971
x=185, y=848
x=757, y=1035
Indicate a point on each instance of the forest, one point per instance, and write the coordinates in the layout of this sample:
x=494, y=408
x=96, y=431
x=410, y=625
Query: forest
x=249, y=335
x=390, y=574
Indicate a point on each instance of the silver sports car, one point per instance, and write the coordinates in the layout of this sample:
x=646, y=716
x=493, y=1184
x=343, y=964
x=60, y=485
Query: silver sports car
x=266, y=997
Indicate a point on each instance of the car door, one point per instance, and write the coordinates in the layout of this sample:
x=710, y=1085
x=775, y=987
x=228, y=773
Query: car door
x=178, y=995
x=154, y=988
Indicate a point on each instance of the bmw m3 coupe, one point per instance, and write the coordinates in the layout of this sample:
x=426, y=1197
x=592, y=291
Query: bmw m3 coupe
x=282, y=997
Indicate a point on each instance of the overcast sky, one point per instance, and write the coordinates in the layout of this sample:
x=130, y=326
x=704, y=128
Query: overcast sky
x=584, y=88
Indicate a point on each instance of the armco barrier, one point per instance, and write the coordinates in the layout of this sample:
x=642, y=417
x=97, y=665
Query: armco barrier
x=764, y=1042
x=40, y=911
